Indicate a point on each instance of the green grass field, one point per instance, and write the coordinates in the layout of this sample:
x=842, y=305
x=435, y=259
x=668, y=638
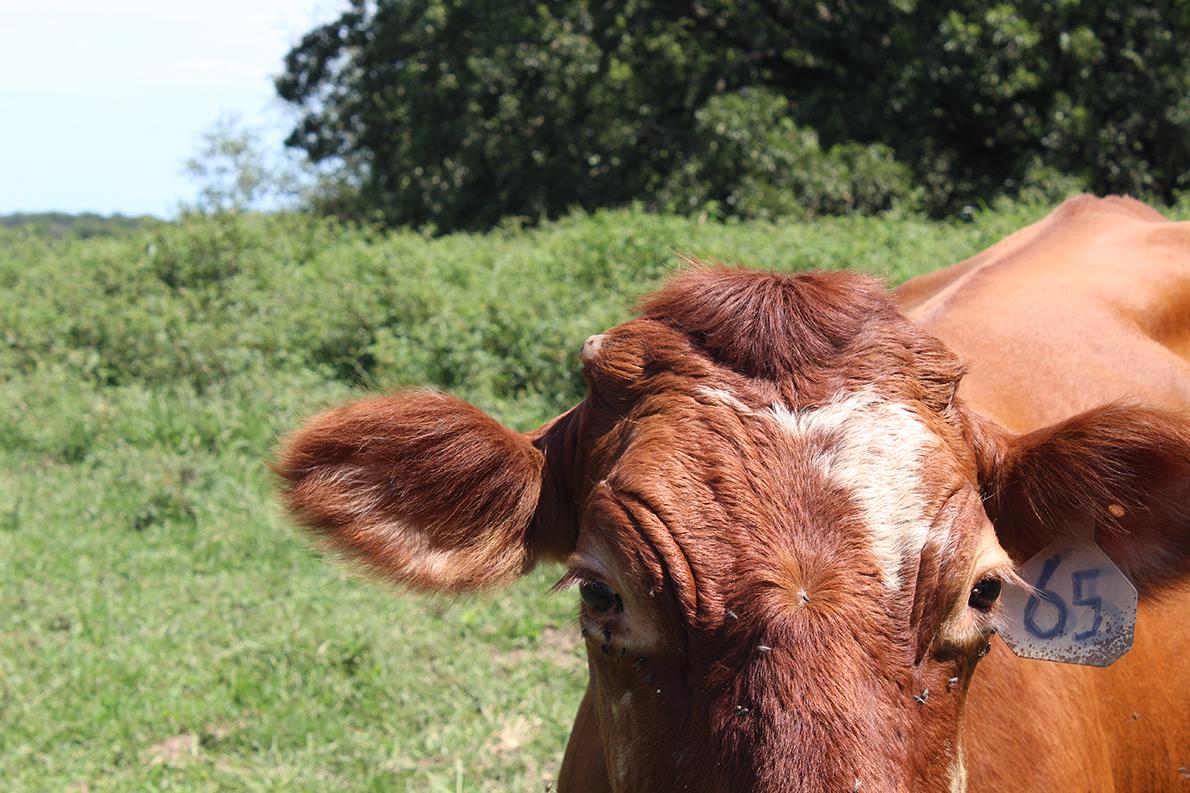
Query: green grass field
x=163, y=628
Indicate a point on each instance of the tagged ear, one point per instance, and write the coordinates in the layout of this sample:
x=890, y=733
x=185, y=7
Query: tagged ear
x=1127, y=469
x=420, y=486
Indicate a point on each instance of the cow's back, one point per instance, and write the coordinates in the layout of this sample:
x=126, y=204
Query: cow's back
x=1088, y=306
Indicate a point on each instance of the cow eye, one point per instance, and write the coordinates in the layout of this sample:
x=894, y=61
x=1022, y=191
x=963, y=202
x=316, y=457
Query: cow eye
x=599, y=597
x=984, y=594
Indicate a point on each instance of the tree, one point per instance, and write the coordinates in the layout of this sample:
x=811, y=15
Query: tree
x=237, y=173
x=456, y=113
x=995, y=98
x=460, y=113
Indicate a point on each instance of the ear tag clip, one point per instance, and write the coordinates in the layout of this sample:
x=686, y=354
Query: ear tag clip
x=1079, y=609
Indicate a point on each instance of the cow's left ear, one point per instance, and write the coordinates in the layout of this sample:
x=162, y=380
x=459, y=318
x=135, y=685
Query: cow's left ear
x=1125, y=468
x=427, y=490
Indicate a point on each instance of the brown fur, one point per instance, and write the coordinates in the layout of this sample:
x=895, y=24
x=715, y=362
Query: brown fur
x=759, y=643
x=393, y=481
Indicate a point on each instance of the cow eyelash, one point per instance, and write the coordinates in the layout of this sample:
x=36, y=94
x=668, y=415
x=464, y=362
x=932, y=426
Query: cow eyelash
x=595, y=594
x=573, y=578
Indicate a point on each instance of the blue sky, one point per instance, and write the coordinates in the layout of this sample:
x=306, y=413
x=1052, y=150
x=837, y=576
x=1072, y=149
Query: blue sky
x=102, y=101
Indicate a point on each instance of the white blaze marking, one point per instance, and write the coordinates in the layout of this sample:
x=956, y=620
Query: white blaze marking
x=874, y=450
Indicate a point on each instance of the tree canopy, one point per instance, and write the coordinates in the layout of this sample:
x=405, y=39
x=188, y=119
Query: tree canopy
x=458, y=113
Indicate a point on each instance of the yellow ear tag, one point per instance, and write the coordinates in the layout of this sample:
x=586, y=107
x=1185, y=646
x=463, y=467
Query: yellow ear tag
x=1079, y=609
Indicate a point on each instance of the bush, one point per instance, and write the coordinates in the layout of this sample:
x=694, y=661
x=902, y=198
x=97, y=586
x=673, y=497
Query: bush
x=200, y=306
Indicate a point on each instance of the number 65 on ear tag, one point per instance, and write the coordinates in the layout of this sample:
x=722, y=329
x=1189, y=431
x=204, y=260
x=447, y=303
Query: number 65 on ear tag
x=1081, y=608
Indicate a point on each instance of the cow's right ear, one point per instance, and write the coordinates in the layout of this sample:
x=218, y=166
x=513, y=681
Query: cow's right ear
x=425, y=489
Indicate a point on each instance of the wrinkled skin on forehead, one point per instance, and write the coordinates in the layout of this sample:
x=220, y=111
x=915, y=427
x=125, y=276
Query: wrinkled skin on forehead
x=777, y=631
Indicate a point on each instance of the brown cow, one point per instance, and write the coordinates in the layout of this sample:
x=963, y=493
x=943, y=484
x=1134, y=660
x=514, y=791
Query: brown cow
x=788, y=510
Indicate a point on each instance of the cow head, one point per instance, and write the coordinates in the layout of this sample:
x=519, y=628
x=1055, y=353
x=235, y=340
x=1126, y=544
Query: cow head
x=775, y=511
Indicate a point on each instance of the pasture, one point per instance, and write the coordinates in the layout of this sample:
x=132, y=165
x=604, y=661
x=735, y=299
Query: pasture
x=162, y=626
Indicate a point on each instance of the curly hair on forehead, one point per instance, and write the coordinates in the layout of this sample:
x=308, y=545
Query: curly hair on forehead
x=803, y=327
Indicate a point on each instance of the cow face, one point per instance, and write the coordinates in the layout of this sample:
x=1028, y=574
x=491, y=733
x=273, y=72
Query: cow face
x=775, y=512
x=786, y=581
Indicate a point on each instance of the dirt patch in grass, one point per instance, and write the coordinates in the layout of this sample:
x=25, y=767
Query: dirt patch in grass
x=178, y=749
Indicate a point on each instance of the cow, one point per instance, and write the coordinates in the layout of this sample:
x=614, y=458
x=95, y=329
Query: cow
x=789, y=504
